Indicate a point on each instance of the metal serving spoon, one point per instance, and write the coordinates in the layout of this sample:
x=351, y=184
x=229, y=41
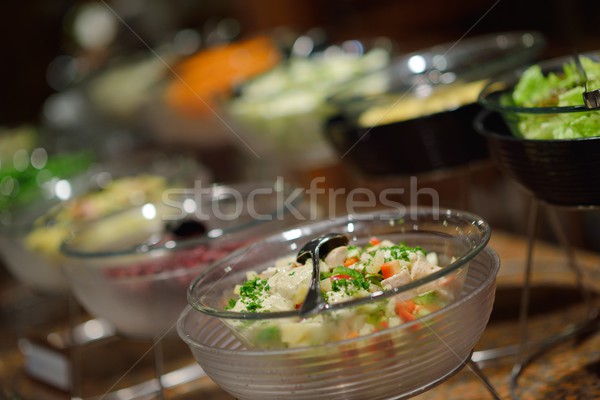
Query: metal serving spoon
x=591, y=98
x=317, y=249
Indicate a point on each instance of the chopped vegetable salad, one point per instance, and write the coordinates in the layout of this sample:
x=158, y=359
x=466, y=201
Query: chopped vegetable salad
x=346, y=273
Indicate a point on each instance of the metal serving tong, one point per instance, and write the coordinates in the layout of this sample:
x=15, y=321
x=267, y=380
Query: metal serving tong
x=591, y=98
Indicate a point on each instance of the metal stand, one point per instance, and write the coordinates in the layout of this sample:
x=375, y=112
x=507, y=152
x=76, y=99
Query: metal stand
x=74, y=350
x=589, y=326
x=525, y=292
x=473, y=367
x=159, y=367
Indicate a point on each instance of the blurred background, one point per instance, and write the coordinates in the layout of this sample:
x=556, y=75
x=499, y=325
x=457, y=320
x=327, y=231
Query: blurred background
x=35, y=33
x=58, y=58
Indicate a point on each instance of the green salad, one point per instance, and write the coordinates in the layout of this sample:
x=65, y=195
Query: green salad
x=346, y=273
x=25, y=167
x=560, y=89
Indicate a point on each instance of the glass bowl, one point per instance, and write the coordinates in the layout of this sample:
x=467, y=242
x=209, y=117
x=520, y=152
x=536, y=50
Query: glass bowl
x=383, y=362
x=559, y=171
x=31, y=235
x=416, y=115
x=133, y=267
x=282, y=111
x=184, y=108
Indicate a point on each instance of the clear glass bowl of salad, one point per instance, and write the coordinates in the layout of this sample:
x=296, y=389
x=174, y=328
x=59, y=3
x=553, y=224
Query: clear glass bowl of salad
x=405, y=302
x=540, y=132
x=133, y=267
x=31, y=234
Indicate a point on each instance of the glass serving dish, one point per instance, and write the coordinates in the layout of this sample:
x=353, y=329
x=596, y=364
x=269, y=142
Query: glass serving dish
x=133, y=267
x=281, y=112
x=184, y=108
x=522, y=140
x=384, y=362
x=416, y=115
x=31, y=235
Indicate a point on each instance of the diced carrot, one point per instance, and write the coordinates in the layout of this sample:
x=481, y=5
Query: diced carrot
x=352, y=334
x=382, y=325
x=387, y=270
x=410, y=305
x=405, y=315
x=404, y=311
x=350, y=260
x=374, y=241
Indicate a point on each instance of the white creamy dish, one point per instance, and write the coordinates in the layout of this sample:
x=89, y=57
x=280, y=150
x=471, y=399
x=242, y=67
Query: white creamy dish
x=346, y=273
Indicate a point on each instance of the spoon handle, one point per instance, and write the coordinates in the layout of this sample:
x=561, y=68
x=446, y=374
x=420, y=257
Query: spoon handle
x=313, y=301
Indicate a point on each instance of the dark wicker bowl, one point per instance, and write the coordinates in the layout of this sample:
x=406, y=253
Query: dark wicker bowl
x=444, y=136
x=440, y=140
x=562, y=172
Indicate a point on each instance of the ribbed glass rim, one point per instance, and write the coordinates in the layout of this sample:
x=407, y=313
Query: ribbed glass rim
x=295, y=350
x=69, y=249
x=386, y=215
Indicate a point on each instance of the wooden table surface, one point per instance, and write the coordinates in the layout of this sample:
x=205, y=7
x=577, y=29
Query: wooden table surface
x=569, y=371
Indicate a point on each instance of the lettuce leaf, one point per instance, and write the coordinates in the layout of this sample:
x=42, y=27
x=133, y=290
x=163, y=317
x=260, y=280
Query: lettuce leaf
x=562, y=89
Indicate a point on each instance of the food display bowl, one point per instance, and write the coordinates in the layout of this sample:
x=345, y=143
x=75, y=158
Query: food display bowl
x=416, y=115
x=133, y=267
x=281, y=112
x=390, y=362
x=31, y=235
x=557, y=171
x=184, y=107
x=441, y=140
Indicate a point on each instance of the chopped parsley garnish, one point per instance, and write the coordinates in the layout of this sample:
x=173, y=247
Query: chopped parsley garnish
x=400, y=252
x=230, y=304
x=356, y=282
x=251, y=293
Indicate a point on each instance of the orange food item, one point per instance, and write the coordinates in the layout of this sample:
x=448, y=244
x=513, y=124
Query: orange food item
x=405, y=309
x=211, y=74
x=374, y=241
x=349, y=261
x=388, y=270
